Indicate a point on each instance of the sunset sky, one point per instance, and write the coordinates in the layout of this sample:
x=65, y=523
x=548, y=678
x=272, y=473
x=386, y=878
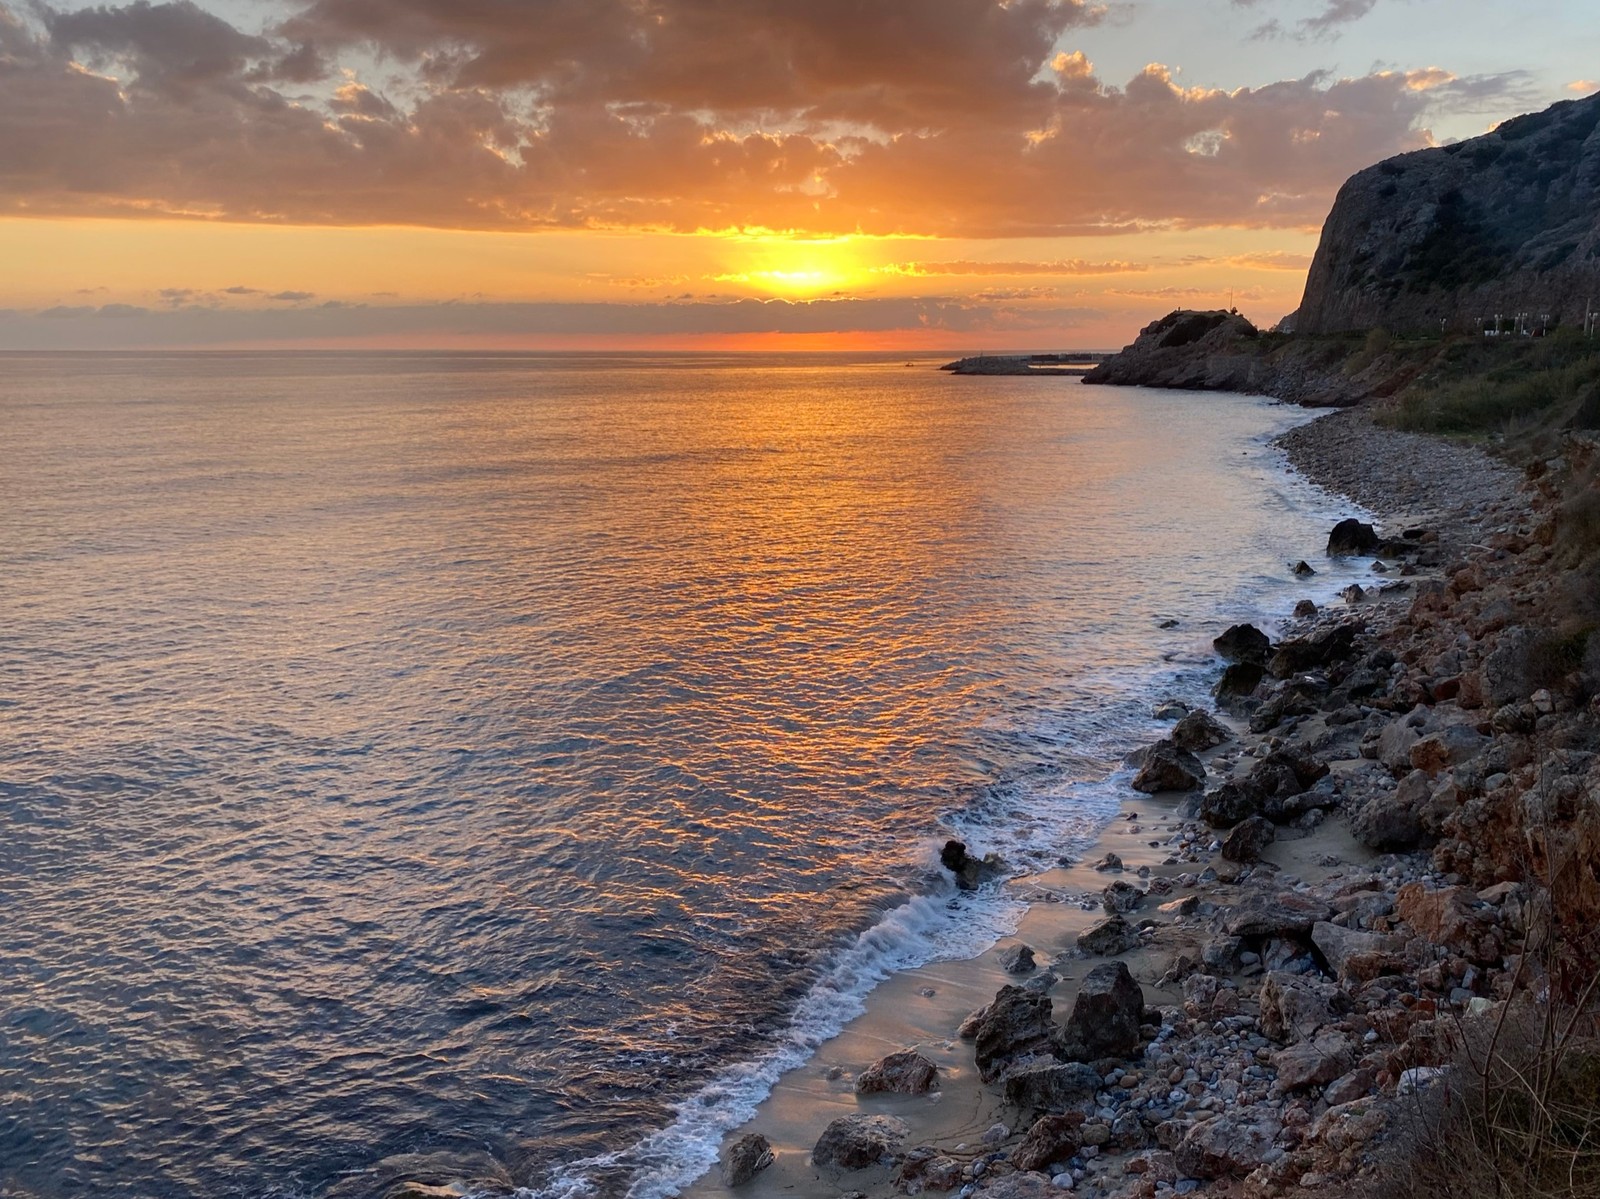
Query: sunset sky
x=951, y=174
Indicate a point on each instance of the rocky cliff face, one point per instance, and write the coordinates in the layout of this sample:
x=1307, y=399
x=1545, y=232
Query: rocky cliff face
x=1502, y=224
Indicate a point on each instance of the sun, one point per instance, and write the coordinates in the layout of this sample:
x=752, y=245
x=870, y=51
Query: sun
x=798, y=268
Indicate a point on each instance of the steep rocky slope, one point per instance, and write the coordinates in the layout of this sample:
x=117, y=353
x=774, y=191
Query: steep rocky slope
x=1443, y=238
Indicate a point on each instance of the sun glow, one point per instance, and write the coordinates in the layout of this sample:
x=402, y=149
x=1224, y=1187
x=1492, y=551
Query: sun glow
x=799, y=268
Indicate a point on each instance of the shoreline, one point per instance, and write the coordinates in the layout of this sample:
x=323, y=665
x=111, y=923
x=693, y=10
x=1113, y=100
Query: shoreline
x=958, y=1126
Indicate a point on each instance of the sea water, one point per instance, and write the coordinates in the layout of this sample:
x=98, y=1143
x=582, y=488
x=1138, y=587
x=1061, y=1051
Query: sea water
x=415, y=753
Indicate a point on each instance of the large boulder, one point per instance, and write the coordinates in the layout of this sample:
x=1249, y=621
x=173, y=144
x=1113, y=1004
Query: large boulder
x=1275, y=914
x=970, y=872
x=1294, y=1007
x=745, y=1158
x=1199, y=731
x=1247, y=839
x=1314, y=651
x=1168, y=768
x=905, y=1073
x=1239, y=681
x=856, y=1142
x=1229, y=1146
x=1105, y=1016
x=1314, y=1062
x=1354, y=955
x=1052, y=1086
x=1243, y=643
x=1352, y=537
x=1018, y=1021
x=1109, y=937
x=1051, y=1139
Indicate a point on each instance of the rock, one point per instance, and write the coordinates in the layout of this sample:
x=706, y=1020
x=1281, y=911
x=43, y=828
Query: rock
x=970, y=872
x=1352, y=537
x=745, y=1158
x=1111, y=862
x=1228, y=804
x=1120, y=898
x=1017, y=960
x=1448, y=747
x=1446, y=916
x=1018, y=1021
x=1170, y=709
x=1199, y=731
x=1221, y=954
x=1243, y=643
x=1303, y=570
x=1314, y=651
x=906, y=1073
x=1314, y=1062
x=1349, y=952
x=1225, y=1147
x=1105, y=1016
x=1357, y=1084
x=1305, y=609
x=1285, y=913
x=1294, y=1007
x=926, y=1169
x=1353, y=594
x=1052, y=1086
x=1206, y=998
x=1383, y=824
x=1239, y=681
x=1395, y=742
x=1108, y=938
x=1505, y=668
x=856, y=1142
x=1050, y=1140
x=1247, y=839
x=1024, y=1185
x=1168, y=768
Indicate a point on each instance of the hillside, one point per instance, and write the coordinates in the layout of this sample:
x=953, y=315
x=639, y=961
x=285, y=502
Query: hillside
x=1445, y=238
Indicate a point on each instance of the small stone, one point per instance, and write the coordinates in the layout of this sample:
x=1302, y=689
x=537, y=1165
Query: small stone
x=1017, y=960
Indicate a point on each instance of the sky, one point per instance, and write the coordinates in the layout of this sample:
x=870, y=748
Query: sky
x=723, y=174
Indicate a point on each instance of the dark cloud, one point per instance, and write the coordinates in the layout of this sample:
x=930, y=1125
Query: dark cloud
x=1327, y=24
x=241, y=291
x=947, y=117
x=1062, y=267
x=293, y=296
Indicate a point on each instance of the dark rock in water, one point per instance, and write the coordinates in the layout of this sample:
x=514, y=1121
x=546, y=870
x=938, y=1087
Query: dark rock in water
x=970, y=872
x=1275, y=915
x=1108, y=938
x=1168, y=768
x=745, y=1158
x=1243, y=643
x=1353, y=594
x=1352, y=537
x=1248, y=838
x=1017, y=960
x=1105, y=1017
x=1184, y=349
x=1199, y=731
x=1239, y=681
x=856, y=1142
x=1305, y=608
x=1304, y=570
x=1321, y=648
x=1018, y=1021
x=1053, y=1087
x=1120, y=898
x=1051, y=1139
x=905, y=1073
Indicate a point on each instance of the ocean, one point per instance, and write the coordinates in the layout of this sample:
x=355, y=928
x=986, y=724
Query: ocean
x=539, y=753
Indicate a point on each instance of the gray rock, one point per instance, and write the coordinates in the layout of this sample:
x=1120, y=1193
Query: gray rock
x=1109, y=937
x=1294, y=1007
x=1120, y=898
x=1199, y=731
x=1018, y=1021
x=1247, y=839
x=1024, y=1185
x=1275, y=915
x=1339, y=946
x=1050, y=1140
x=1239, y=681
x=905, y=1073
x=1105, y=1016
x=1168, y=768
x=1314, y=1062
x=745, y=1158
x=856, y=1142
x=1226, y=1147
x=1351, y=537
x=1052, y=1087
x=1017, y=960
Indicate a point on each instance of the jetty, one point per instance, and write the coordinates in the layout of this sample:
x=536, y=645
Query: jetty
x=1071, y=363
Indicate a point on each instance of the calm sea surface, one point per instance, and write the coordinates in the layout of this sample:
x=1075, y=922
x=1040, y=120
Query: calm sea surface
x=429, y=753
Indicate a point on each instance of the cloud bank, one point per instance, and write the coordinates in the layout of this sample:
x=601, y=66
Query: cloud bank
x=948, y=117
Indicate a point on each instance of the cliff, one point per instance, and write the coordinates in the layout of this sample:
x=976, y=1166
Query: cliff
x=1449, y=237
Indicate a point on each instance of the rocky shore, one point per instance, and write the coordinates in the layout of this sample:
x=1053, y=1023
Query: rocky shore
x=1360, y=857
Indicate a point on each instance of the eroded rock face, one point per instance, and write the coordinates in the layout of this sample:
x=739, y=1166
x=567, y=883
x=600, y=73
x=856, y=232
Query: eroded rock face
x=1052, y=1086
x=856, y=1142
x=1505, y=222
